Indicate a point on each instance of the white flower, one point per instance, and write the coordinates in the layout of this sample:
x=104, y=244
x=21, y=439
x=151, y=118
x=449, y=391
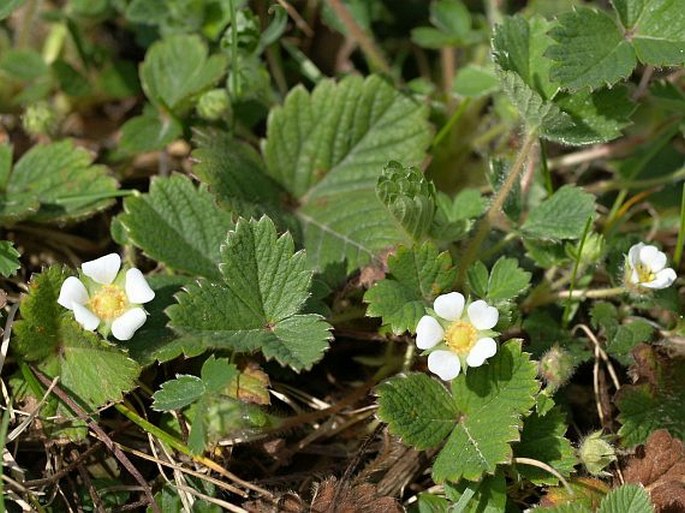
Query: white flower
x=457, y=338
x=106, y=298
x=646, y=267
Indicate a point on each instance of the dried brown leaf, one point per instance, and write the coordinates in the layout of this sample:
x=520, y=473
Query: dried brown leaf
x=337, y=497
x=660, y=466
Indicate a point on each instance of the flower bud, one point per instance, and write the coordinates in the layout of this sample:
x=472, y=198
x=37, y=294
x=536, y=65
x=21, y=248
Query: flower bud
x=39, y=119
x=214, y=105
x=556, y=367
x=596, y=453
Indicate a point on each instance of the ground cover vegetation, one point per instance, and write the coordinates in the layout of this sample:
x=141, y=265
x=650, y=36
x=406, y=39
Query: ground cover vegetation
x=342, y=256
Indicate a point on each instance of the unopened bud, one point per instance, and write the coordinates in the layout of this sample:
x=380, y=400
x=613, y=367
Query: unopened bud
x=214, y=105
x=596, y=453
x=39, y=119
x=556, y=367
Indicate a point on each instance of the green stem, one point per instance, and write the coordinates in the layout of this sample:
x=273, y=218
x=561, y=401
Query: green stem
x=368, y=46
x=447, y=127
x=235, y=79
x=495, y=208
x=681, y=232
x=567, y=308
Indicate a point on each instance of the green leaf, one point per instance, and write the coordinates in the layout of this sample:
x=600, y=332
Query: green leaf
x=507, y=279
x=417, y=408
x=474, y=81
x=543, y=439
x=591, y=51
x=328, y=148
x=656, y=29
x=175, y=210
x=178, y=67
x=596, y=117
x=93, y=370
x=9, y=6
x=178, y=393
x=9, y=258
x=235, y=173
x=409, y=197
x=155, y=341
x=415, y=278
x=519, y=46
x=217, y=374
x=148, y=132
x=255, y=305
x=660, y=388
x=628, y=498
x=478, y=279
x=491, y=400
x=561, y=216
x=487, y=496
x=59, y=177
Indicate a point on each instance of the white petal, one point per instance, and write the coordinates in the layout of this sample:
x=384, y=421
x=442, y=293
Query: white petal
x=634, y=254
x=484, y=349
x=137, y=289
x=428, y=332
x=664, y=279
x=654, y=259
x=449, y=306
x=483, y=316
x=104, y=269
x=127, y=324
x=445, y=364
x=85, y=317
x=73, y=291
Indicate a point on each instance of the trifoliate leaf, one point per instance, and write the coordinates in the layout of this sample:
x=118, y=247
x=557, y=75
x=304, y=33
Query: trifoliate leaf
x=491, y=400
x=409, y=197
x=185, y=389
x=543, y=439
x=415, y=278
x=175, y=210
x=328, y=148
x=417, y=408
x=177, y=68
x=655, y=401
x=150, y=131
x=178, y=393
x=591, y=51
x=9, y=258
x=90, y=368
x=628, y=498
x=255, y=304
x=561, y=216
x=507, y=280
x=656, y=29
x=452, y=26
x=56, y=183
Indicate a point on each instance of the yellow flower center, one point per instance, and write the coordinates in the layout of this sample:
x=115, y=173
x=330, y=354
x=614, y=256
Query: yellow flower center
x=109, y=303
x=644, y=273
x=461, y=336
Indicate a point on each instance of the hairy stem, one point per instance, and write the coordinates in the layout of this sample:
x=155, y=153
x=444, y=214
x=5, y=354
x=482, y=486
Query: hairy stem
x=496, y=206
